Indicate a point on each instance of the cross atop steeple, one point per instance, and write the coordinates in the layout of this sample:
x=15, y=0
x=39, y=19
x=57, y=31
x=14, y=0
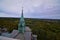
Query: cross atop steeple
x=21, y=26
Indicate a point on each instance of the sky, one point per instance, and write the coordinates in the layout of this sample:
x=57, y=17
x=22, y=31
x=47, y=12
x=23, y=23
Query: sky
x=49, y=9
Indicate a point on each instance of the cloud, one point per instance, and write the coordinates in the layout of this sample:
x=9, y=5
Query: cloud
x=32, y=8
x=6, y=15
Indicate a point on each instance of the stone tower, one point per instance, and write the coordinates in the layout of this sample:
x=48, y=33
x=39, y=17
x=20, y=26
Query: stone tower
x=21, y=25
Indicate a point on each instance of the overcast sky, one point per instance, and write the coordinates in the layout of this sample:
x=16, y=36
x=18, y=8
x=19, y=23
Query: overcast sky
x=32, y=8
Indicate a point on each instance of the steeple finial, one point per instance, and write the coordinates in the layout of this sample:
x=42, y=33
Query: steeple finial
x=22, y=12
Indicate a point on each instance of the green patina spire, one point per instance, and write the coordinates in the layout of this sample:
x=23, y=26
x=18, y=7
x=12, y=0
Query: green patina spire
x=21, y=26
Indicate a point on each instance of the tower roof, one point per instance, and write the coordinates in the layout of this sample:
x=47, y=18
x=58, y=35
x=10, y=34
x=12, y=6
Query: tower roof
x=21, y=26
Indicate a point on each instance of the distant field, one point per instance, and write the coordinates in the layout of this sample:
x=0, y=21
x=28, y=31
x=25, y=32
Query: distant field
x=46, y=29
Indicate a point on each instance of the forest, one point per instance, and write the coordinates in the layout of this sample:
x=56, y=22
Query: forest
x=45, y=29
